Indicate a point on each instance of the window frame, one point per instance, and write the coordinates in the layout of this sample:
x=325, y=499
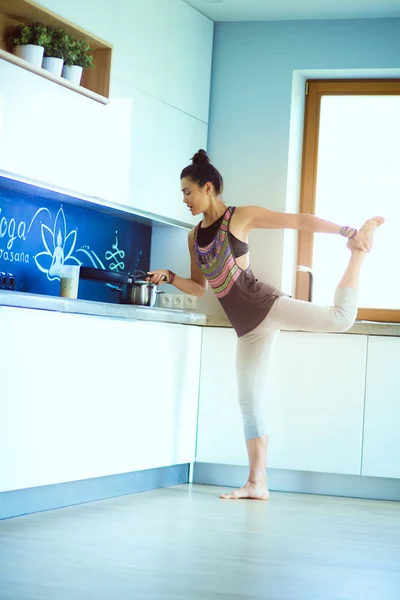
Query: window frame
x=315, y=89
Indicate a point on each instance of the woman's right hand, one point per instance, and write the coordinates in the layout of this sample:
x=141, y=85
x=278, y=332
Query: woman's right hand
x=362, y=241
x=158, y=276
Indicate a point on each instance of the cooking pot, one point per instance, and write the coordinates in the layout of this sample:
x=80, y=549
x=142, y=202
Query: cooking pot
x=140, y=292
x=133, y=288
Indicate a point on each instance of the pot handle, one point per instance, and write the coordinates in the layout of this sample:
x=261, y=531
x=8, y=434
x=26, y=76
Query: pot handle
x=138, y=273
x=143, y=274
x=104, y=275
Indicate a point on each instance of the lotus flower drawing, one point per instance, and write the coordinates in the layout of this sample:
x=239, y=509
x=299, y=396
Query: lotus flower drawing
x=59, y=248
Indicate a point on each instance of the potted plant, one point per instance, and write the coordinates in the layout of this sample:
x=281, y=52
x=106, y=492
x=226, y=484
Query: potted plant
x=77, y=58
x=29, y=42
x=54, y=50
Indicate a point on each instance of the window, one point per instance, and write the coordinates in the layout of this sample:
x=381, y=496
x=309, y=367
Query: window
x=350, y=172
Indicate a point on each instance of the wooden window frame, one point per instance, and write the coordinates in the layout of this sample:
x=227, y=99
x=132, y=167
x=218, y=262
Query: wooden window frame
x=315, y=89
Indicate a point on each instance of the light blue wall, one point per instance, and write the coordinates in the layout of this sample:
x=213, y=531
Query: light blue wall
x=251, y=102
x=253, y=66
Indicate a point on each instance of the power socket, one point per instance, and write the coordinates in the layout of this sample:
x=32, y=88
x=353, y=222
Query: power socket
x=165, y=300
x=177, y=300
x=189, y=302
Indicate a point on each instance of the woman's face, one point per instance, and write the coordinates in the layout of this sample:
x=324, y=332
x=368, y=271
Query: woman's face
x=197, y=199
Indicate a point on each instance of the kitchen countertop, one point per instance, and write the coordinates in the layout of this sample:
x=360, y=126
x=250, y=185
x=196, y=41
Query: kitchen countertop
x=360, y=327
x=143, y=313
x=100, y=309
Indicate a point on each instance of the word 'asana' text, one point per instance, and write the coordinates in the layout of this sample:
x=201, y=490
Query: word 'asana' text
x=14, y=256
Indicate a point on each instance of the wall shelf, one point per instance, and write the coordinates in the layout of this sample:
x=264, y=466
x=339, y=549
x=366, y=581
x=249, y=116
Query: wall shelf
x=95, y=82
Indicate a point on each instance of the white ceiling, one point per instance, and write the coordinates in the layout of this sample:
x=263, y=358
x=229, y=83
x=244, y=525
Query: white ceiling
x=282, y=10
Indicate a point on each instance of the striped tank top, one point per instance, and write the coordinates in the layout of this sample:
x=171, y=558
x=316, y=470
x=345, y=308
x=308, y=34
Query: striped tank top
x=245, y=300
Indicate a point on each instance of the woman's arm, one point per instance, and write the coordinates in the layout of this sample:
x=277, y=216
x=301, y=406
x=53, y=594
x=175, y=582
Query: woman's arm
x=195, y=286
x=255, y=217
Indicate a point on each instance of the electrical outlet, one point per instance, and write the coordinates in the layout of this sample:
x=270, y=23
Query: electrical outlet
x=189, y=302
x=177, y=300
x=165, y=300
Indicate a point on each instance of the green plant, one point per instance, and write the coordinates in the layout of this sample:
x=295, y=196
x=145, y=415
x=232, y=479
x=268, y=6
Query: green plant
x=36, y=34
x=79, y=53
x=57, y=44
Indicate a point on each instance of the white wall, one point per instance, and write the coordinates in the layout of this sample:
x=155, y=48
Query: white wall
x=131, y=151
x=169, y=250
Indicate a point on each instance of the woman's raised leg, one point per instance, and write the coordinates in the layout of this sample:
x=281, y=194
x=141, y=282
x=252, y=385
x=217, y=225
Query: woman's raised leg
x=291, y=314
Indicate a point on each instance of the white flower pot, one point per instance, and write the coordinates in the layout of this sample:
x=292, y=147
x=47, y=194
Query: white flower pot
x=73, y=74
x=31, y=53
x=54, y=65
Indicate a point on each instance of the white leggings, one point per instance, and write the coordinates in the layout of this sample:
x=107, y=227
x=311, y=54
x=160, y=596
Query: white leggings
x=254, y=350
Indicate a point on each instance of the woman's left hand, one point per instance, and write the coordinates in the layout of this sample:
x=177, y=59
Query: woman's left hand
x=362, y=241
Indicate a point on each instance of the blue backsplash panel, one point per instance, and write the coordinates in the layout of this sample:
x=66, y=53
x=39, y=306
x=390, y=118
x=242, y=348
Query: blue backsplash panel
x=38, y=234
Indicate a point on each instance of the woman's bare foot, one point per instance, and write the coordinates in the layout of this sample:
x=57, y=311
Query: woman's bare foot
x=249, y=491
x=368, y=229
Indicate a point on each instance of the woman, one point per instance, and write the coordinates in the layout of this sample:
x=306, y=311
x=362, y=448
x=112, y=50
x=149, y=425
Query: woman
x=257, y=311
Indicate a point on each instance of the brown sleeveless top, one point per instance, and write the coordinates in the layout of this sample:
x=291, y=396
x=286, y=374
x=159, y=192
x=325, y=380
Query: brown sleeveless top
x=245, y=300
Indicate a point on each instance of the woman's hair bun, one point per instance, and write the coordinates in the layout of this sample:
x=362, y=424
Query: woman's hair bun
x=202, y=171
x=200, y=158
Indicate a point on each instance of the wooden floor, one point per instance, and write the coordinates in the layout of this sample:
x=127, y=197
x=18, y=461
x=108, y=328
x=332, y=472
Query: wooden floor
x=185, y=543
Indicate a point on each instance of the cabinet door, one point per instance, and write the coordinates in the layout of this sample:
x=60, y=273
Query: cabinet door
x=163, y=49
x=85, y=397
x=135, y=166
x=381, y=451
x=180, y=137
x=139, y=50
x=187, y=72
x=156, y=142
x=98, y=18
x=220, y=432
x=137, y=30
x=317, y=402
x=165, y=381
x=314, y=399
x=69, y=133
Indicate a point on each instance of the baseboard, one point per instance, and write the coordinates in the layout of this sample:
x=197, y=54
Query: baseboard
x=48, y=497
x=303, y=482
x=30, y=500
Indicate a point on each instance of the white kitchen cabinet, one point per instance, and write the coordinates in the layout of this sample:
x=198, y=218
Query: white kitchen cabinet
x=163, y=49
x=181, y=137
x=85, y=397
x=315, y=402
x=134, y=158
x=132, y=151
x=139, y=50
x=187, y=71
x=52, y=134
x=137, y=29
x=317, y=418
x=95, y=16
x=156, y=142
x=381, y=451
x=219, y=433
